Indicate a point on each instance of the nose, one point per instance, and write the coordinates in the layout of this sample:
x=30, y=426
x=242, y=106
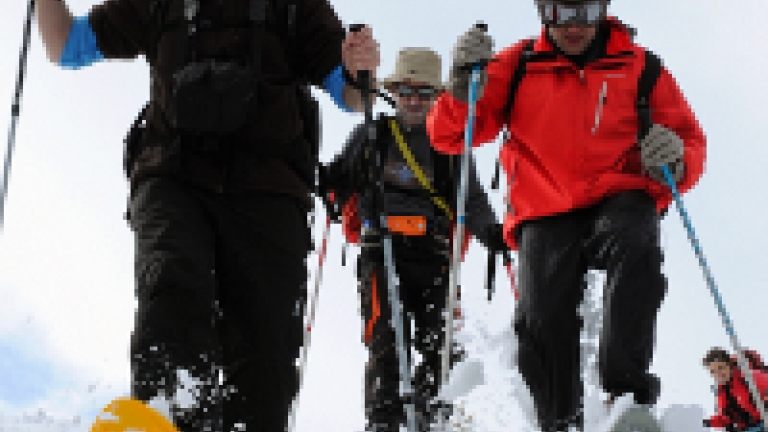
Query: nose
x=572, y=29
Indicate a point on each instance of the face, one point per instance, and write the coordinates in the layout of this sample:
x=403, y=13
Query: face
x=414, y=100
x=573, y=39
x=720, y=371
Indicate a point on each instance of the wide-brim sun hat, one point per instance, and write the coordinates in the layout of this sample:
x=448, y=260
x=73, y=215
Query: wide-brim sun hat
x=419, y=65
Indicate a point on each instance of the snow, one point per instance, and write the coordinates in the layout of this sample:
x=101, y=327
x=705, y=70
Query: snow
x=486, y=382
x=489, y=392
x=38, y=421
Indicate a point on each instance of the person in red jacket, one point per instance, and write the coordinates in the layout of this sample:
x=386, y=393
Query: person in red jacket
x=584, y=192
x=735, y=405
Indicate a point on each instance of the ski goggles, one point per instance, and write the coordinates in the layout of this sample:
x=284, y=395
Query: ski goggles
x=555, y=13
x=424, y=93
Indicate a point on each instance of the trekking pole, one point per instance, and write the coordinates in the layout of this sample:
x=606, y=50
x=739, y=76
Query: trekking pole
x=645, y=119
x=458, y=234
x=729, y=328
x=311, y=318
x=15, y=108
x=379, y=225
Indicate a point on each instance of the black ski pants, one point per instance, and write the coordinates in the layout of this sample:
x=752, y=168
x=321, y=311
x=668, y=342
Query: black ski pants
x=621, y=236
x=422, y=272
x=221, y=284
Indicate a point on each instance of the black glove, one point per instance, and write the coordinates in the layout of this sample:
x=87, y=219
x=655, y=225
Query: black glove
x=495, y=238
x=324, y=189
x=707, y=423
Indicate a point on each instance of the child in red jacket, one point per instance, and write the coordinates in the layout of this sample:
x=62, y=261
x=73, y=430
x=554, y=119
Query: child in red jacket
x=736, y=407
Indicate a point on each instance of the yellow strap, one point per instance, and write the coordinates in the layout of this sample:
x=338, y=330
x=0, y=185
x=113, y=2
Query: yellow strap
x=414, y=166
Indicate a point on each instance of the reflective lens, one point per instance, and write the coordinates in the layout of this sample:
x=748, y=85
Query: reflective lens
x=587, y=13
x=424, y=93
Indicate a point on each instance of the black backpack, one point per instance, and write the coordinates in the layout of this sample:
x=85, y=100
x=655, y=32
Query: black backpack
x=309, y=107
x=646, y=82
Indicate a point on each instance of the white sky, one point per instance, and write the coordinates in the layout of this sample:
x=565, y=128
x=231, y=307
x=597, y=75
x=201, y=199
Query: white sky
x=66, y=254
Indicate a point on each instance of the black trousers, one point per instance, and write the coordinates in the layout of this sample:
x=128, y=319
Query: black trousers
x=422, y=272
x=221, y=285
x=621, y=236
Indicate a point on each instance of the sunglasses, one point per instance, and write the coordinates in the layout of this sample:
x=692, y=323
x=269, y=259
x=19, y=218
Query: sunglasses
x=424, y=93
x=558, y=14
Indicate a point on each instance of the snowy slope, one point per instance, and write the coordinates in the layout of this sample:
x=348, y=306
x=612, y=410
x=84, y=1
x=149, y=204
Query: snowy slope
x=494, y=395
x=486, y=385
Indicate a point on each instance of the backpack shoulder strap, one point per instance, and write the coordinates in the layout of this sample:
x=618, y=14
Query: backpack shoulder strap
x=158, y=10
x=286, y=12
x=648, y=77
x=514, y=83
x=423, y=180
x=518, y=76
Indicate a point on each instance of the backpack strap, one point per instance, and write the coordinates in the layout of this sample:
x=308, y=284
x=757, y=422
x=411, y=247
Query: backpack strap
x=158, y=9
x=258, y=15
x=517, y=77
x=648, y=77
x=417, y=171
x=288, y=17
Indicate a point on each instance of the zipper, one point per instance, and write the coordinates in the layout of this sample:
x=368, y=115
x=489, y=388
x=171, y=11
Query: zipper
x=600, y=104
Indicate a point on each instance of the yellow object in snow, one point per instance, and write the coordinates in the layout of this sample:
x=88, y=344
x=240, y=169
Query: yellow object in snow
x=131, y=415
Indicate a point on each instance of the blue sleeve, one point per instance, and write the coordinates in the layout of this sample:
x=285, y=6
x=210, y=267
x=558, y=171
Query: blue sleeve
x=333, y=84
x=81, y=48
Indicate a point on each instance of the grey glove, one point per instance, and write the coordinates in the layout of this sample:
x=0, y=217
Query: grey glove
x=472, y=47
x=659, y=148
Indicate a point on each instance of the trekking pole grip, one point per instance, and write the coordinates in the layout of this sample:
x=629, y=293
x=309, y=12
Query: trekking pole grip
x=363, y=78
x=482, y=63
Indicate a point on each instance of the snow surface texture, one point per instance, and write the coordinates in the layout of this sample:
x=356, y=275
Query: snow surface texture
x=185, y=397
x=490, y=393
x=493, y=394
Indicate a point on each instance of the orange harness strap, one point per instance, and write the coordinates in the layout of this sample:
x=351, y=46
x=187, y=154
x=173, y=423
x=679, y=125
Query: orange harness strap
x=407, y=225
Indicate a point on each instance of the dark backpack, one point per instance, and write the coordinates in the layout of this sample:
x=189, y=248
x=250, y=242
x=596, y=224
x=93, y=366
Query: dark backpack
x=646, y=82
x=309, y=107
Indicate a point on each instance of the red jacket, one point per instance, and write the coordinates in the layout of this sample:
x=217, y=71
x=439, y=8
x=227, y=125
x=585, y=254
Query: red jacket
x=741, y=392
x=559, y=156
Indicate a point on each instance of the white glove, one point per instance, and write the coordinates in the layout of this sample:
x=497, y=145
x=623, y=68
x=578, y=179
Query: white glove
x=474, y=46
x=662, y=147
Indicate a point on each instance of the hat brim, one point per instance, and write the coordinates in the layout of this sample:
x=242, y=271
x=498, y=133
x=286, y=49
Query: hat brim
x=395, y=78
